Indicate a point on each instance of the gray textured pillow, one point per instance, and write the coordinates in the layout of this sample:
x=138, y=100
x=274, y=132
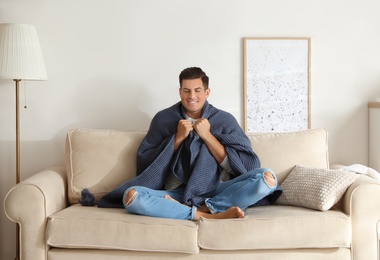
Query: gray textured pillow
x=315, y=188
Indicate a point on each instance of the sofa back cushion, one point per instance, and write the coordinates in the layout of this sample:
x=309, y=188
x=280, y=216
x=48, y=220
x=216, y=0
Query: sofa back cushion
x=282, y=151
x=101, y=160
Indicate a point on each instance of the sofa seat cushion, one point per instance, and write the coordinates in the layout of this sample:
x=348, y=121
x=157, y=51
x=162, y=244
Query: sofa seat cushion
x=100, y=228
x=277, y=227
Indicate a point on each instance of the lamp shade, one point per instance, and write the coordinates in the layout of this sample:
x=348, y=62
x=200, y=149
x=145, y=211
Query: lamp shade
x=20, y=53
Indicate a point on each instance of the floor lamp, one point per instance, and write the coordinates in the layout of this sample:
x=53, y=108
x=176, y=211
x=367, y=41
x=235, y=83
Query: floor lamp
x=20, y=59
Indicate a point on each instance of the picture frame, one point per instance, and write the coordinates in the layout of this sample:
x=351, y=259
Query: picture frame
x=277, y=84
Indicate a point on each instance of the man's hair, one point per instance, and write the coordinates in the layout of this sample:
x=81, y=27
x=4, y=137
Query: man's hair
x=194, y=73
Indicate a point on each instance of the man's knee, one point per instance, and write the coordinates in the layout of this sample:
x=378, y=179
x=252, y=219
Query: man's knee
x=270, y=179
x=130, y=197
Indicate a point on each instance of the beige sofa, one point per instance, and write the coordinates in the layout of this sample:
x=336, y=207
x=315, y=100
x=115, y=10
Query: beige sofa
x=55, y=227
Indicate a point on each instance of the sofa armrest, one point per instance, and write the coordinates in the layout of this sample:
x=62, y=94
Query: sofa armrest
x=362, y=202
x=30, y=202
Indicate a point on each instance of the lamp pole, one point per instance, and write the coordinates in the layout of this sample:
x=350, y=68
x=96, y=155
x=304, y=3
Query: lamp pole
x=17, y=81
x=17, y=132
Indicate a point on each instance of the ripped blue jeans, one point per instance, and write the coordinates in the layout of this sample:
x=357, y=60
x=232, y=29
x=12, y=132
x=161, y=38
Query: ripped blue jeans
x=242, y=191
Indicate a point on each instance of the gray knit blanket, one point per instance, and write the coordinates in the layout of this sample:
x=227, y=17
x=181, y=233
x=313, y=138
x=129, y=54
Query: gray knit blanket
x=193, y=164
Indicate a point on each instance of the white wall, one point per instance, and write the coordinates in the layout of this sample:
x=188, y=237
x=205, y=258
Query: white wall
x=113, y=64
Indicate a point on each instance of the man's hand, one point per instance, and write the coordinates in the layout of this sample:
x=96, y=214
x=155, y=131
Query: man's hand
x=202, y=127
x=183, y=130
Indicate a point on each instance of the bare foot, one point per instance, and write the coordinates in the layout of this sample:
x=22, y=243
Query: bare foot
x=233, y=212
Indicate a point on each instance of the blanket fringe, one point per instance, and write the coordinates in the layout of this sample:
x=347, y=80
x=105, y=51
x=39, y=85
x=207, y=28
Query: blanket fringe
x=87, y=199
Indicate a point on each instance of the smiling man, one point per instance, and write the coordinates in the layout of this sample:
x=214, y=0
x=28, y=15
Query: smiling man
x=195, y=161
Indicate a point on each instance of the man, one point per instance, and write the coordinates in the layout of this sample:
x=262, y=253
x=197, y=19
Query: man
x=195, y=161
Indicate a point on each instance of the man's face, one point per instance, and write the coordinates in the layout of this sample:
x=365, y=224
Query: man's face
x=193, y=97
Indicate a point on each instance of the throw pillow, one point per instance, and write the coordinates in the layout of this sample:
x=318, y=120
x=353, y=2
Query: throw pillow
x=315, y=188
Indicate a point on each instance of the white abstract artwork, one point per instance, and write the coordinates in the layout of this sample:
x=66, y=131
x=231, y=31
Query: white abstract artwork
x=276, y=84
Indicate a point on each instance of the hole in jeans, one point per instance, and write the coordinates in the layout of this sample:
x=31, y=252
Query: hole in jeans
x=131, y=195
x=269, y=178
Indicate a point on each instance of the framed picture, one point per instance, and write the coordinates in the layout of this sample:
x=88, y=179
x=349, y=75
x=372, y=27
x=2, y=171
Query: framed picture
x=276, y=84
